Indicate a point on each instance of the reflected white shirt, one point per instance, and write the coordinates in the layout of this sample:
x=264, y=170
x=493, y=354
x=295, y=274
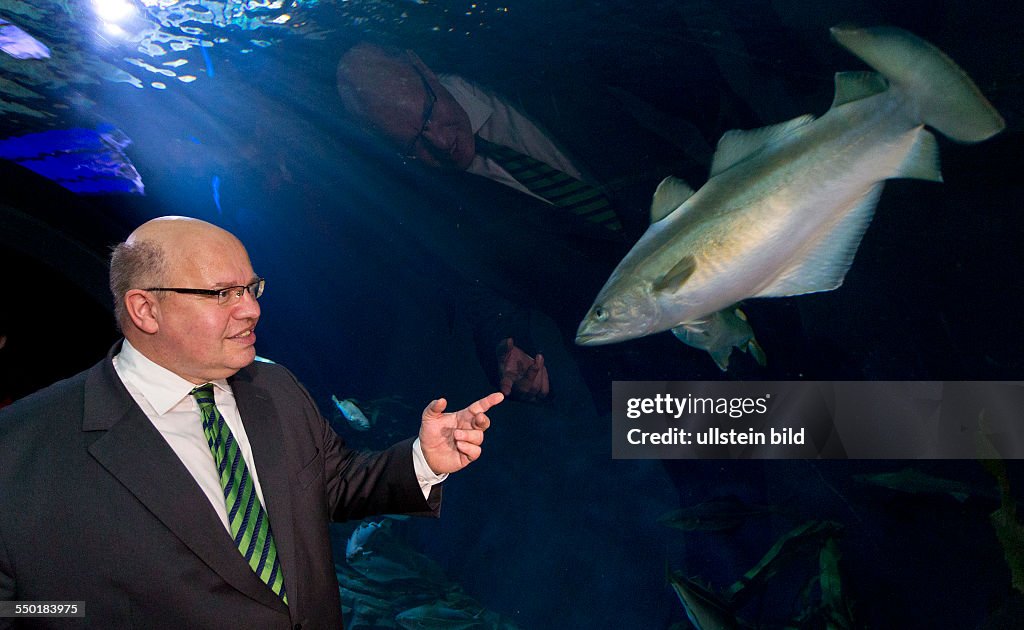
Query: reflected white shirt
x=496, y=120
x=165, y=399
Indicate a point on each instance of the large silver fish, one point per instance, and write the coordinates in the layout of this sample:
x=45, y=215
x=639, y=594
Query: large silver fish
x=786, y=206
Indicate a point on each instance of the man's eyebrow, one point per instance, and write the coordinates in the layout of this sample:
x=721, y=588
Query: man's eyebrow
x=228, y=285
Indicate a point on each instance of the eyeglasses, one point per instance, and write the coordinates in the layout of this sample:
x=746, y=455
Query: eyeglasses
x=428, y=109
x=228, y=295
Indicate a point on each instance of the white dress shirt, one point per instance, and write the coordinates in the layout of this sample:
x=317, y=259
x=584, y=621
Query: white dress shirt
x=496, y=120
x=165, y=399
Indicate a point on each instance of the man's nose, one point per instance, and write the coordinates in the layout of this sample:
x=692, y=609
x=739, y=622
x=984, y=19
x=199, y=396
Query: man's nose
x=440, y=142
x=248, y=306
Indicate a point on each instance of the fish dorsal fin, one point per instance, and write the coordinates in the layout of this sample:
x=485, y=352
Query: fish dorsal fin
x=734, y=146
x=676, y=276
x=823, y=266
x=670, y=194
x=853, y=86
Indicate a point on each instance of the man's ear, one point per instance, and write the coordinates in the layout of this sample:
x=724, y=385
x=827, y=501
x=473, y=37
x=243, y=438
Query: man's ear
x=143, y=309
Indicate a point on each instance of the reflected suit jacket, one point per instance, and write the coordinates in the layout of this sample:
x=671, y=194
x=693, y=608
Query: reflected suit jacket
x=96, y=507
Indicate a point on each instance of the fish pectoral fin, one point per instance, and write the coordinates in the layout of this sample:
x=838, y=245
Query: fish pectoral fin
x=671, y=193
x=736, y=145
x=823, y=266
x=676, y=277
x=853, y=86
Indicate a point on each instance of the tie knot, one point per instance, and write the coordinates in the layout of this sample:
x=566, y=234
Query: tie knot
x=203, y=394
x=486, y=147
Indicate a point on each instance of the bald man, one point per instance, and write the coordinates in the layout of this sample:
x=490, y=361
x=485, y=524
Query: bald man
x=437, y=119
x=179, y=484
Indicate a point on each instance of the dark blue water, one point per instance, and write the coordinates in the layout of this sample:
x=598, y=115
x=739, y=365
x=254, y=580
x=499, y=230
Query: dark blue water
x=368, y=260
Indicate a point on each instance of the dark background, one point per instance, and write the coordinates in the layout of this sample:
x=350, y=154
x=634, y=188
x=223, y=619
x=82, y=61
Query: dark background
x=365, y=258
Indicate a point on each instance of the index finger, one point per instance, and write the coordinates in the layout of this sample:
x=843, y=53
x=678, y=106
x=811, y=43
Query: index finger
x=486, y=403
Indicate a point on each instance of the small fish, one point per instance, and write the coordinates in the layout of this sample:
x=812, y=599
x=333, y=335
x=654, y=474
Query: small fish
x=717, y=514
x=833, y=600
x=719, y=333
x=705, y=609
x=357, y=541
x=913, y=481
x=799, y=542
x=440, y=616
x=385, y=569
x=356, y=418
x=374, y=551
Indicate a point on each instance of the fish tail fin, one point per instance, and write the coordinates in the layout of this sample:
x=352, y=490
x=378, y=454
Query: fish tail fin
x=946, y=98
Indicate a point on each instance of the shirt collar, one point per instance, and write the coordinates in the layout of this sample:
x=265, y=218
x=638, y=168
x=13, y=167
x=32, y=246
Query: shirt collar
x=158, y=385
x=478, y=110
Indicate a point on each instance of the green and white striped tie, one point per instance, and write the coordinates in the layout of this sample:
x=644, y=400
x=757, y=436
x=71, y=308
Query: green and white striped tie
x=558, y=188
x=249, y=524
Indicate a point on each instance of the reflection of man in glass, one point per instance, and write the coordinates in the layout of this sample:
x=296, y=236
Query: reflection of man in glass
x=441, y=121
x=445, y=121
x=399, y=97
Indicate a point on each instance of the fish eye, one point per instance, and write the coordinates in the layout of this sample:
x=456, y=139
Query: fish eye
x=600, y=313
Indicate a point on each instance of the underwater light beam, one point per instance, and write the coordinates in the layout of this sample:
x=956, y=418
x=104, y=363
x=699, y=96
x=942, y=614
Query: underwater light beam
x=113, y=10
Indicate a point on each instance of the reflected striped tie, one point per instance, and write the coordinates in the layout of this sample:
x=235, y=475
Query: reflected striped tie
x=559, y=188
x=250, y=526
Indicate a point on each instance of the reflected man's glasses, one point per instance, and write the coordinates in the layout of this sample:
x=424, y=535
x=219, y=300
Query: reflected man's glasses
x=428, y=110
x=227, y=295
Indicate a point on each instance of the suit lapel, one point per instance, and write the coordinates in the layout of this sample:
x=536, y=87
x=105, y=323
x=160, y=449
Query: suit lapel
x=264, y=428
x=133, y=451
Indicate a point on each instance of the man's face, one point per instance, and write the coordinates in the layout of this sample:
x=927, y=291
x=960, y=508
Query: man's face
x=443, y=135
x=199, y=339
x=402, y=100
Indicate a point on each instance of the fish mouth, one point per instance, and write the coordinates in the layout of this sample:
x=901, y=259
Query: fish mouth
x=587, y=340
x=595, y=339
x=599, y=333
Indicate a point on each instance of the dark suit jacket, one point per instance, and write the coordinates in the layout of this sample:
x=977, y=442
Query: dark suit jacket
x=96, y=507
